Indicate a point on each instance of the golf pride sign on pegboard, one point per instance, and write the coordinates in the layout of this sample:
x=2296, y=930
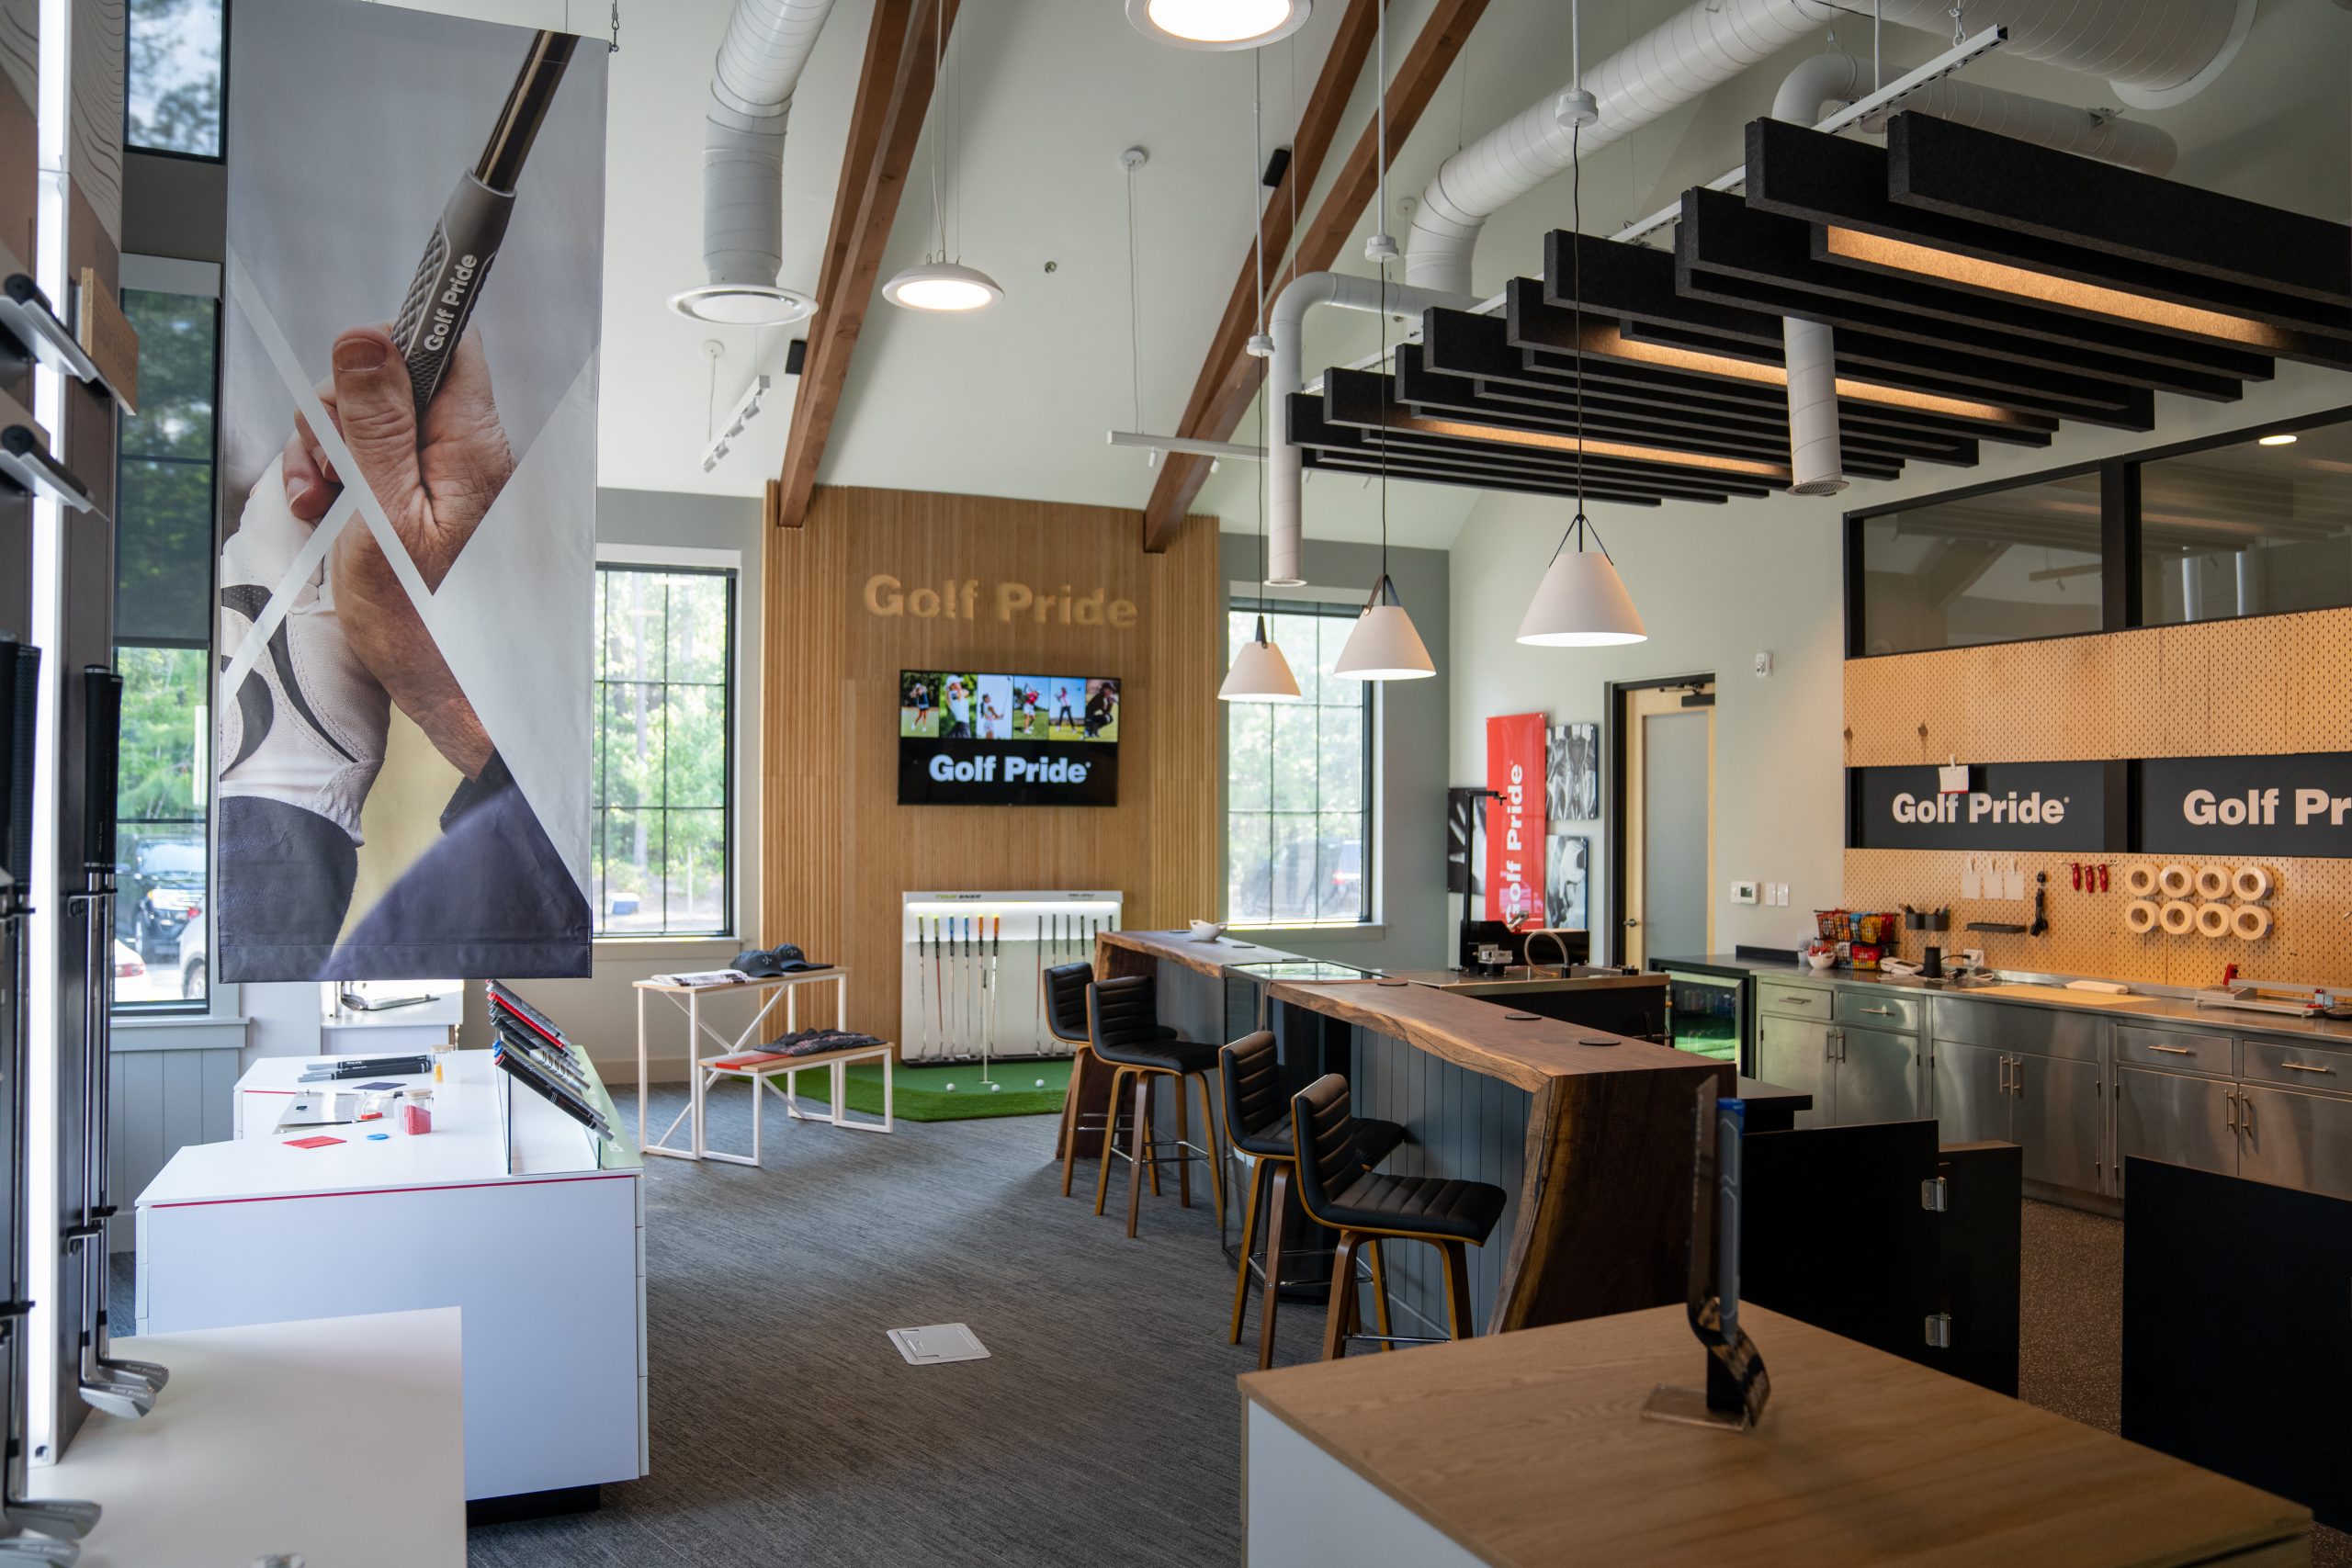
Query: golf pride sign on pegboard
x=2007, y=806
x=2289, y=806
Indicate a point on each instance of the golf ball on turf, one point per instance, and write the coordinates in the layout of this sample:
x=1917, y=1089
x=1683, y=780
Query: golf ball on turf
x=1041, y=1083
x=951, y=1088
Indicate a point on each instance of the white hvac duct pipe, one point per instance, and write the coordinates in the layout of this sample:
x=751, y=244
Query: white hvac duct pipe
x=1286, y=472
x=1817, y=456
x=767, y=45
x=2152, y=52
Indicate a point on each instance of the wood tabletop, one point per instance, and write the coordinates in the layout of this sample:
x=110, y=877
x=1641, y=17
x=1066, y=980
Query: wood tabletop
x=1183, y=947
x=757, y=983
x=1480, y=1034
x=1529, y=1449
x=1521, y=977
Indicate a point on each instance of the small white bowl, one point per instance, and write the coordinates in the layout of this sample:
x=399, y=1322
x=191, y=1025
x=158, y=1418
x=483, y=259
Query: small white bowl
x=1821, y=960
x=1207, y=931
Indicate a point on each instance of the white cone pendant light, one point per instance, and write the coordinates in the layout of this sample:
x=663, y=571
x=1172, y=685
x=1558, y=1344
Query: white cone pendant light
x=943, y=286
x=1217, y=23
x=1582, y=601
x=1384, y=646
x=1259, y=673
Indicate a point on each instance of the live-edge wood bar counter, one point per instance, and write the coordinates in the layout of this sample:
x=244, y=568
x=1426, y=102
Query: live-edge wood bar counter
x=1592, y=1141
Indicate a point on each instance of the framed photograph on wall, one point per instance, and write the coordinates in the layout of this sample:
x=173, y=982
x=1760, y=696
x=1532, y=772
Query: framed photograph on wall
x=1572, y=773
x=1464, y=845
x=1565, y=859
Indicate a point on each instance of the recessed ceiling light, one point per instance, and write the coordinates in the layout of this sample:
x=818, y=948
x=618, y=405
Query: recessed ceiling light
x=1217, y=23
x=2276, y=441
x=943, y=286
x=743, y=305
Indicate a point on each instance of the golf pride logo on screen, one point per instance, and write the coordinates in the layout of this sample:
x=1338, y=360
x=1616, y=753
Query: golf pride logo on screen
x=1017, y=769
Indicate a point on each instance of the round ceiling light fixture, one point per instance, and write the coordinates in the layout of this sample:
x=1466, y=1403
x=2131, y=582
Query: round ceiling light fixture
x=943, y=287
x=1217, y=23
x=743, y=305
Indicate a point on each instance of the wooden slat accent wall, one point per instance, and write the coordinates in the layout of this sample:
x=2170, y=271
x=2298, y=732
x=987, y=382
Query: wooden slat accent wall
x=840, y=850
x=2272, y=684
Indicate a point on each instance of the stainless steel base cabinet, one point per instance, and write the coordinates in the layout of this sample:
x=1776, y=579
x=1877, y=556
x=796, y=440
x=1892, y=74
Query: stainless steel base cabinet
x=1972, y=1089
x=2176, y=1117
x=1795, y=1053
x=2294, y=1139
x=1876, y=1076
x=2055, y=1115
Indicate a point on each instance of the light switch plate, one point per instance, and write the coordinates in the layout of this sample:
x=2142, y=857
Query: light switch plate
x=1742, y=893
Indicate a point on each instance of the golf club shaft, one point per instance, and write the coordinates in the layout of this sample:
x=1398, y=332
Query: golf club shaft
x=456, y=260
x=922, y=994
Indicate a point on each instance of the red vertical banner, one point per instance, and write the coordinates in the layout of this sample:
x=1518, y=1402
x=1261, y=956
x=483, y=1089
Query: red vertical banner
x=1515, y=822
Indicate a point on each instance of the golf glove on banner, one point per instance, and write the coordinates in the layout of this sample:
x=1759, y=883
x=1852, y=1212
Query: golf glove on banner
x=307, y=727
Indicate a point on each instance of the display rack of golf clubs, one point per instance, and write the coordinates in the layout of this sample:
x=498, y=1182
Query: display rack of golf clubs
x=972, y=971
x=47, y=1529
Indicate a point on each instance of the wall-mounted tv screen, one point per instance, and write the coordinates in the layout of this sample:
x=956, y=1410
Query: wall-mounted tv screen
x=974, y=739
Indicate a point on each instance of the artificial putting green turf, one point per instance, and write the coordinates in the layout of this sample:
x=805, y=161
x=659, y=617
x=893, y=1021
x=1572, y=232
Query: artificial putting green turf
x=921, y=1094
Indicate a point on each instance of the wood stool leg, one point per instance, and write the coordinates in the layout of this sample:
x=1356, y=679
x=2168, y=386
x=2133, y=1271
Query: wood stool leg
x=1211, y=1122
x=1110, y=1139
x=1249, y=1235
x=1379, y=1292
x=1150, y=1141
x=1457, y=1289
x=1142, y=1152
x=1070, y=1116
x=1184, y=1136
x=1341, y=1312
x=1277, y=1199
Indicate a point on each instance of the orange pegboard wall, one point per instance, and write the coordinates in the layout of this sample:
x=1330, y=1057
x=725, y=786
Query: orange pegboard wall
x=2310, y=940
x=2220, y=688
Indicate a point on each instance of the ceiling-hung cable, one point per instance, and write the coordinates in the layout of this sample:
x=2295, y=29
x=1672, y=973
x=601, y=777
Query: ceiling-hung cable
x=938, y=130
x=1576, y=290
x=1257, y=181
x=1135, y=305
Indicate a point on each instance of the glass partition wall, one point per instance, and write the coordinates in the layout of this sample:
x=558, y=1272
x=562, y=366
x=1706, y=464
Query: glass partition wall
x=2258, y=522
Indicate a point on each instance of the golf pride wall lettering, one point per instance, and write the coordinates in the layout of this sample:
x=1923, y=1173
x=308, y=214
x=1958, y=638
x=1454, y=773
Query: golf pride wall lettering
x=959, y=600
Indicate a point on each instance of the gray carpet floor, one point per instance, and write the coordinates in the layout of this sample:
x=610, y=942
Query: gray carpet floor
x=1103, y=1427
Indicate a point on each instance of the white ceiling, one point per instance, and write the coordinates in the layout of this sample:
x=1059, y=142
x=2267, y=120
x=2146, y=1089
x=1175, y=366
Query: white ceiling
x=1016, y=400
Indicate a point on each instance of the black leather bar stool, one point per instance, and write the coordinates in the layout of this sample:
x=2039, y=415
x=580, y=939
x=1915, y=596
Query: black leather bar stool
x=1065, y=1020
x=1258, y=1123
x=1364, y=1206
x=1124, y=1029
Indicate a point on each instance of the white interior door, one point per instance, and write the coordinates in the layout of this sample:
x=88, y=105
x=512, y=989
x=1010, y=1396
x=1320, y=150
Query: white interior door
x=1670, y=839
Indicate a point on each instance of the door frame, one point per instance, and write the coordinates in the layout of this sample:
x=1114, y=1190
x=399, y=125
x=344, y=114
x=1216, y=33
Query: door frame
x=1615, y=744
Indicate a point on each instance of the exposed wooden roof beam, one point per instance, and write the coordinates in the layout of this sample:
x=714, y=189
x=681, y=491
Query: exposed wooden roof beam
x=1228, y=378
x=893, y=95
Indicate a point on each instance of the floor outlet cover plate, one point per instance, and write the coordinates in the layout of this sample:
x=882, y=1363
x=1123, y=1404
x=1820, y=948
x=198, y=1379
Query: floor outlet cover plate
x=938, y=1342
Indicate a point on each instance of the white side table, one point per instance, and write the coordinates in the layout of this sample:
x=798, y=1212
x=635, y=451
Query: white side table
x=687, y=999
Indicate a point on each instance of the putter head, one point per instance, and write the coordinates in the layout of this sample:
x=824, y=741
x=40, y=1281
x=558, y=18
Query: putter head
x=38, y=1549
x=153, y=1375
x=54, y=1517
x=124, y=1397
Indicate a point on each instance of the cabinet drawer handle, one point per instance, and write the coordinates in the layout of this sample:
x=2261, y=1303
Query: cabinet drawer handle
x=2230, y=1115
x=2246, y=1114
x=2302, y=1067
x=1883, y=1012
x=2174, y=1049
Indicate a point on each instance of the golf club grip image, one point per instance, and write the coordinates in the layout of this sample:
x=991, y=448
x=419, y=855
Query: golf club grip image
x=456, y=260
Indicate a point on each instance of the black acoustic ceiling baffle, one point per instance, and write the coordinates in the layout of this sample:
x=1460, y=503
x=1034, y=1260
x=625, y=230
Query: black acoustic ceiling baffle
x=2173, y=240
x=1368, y=402
x=1348, y=450
x=1425, y=391
x=1744, y=345
x=1459, y=342
x=1799, y=181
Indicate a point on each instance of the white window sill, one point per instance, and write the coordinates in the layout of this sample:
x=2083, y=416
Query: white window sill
x=1273, y=936
x=178, y=1032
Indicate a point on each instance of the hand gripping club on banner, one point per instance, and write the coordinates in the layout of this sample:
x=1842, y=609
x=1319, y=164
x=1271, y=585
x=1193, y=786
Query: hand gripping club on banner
x=440, y=301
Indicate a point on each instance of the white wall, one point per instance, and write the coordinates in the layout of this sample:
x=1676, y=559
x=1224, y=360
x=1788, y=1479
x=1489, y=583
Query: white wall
x=1716, y=586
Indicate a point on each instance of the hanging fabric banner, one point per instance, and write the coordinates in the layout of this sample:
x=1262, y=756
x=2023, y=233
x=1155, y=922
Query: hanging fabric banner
x=408, y=423
x=1515, y=823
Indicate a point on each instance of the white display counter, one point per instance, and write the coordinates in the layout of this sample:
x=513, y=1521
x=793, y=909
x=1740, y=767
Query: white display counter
x=541, y=1249
x=340, y=1440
